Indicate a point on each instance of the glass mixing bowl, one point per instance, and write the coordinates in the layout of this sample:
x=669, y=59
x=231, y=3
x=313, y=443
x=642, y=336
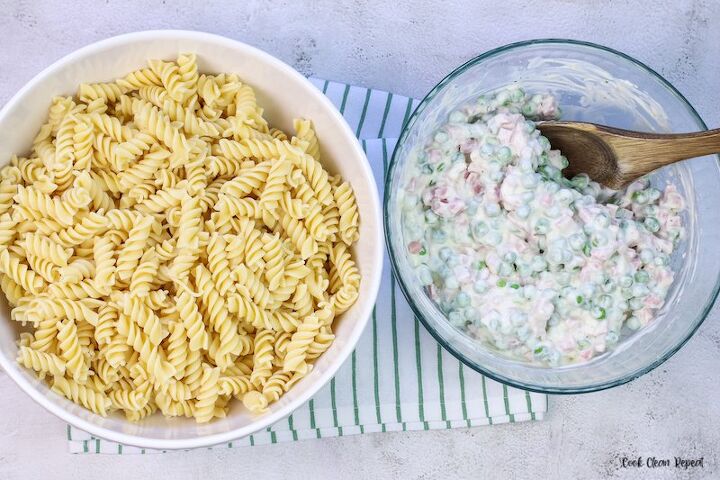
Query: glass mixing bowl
x=594, y=84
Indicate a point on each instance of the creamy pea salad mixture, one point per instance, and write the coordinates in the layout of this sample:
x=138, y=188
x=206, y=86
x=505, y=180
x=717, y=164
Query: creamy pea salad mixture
x=540, y=268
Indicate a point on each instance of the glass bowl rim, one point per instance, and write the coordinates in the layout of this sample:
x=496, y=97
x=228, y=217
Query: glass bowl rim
x=386, y=217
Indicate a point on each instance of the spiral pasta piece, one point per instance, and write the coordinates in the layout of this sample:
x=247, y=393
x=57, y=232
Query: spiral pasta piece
x=144, y=169
x=293, y=206
x=217, y=314
x=76, y=291
x=343, y=264
x=320, y=343
x=347, y=208
x=304, y=130
x=238, y=245
x=41, y=362
x=152, y=121
x=258, y=149
x=7, y=229
x=178, y=348
x=315, y=223
x=117, y=352
x=12, y=266
x=69, y=346
x=278, y=134
x=76, y=271
x=12, y=290
x=252, y=286
x=204, y=407
x=187, y=245
x=150, y=354
x=255, y=401
x=44, y=307
x=111, y=127
x=133, y=307
x=218, y=264
x=344, y=298
x=143, y=278
x=132, y=400
x=278, y=384
x=264, y=349
x=132, y=250
x=304, y=243
x=249, y=313
x=192, y=320
x=94, y=401
x=197, y=179
x=105, y=325
x=36, y=205
x=275, y=185
x=301, y=340
x=239, y=207
x=251, y=179
x=171, y=79
x=107, y=92
x=140, y=78
x=101, y=200
x=235, y=385
x=83, y=145
x=274, y=262
x=42, y=246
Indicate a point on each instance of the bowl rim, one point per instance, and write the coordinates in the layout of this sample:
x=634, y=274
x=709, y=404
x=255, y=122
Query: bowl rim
x=372, y=277
x=392, y=254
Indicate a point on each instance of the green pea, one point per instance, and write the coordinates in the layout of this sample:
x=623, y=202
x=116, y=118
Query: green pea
x=456, y=117
x=652, y=224
x=642, y=276
x=580, y=181
x=501, y=283
x=605, y=301
x=639, y=197
x=542, y=226
x=504, y=154
x=439, y=235
x=544, y=143
x=479, y=229
x=462, y=299
x=550, y=172
x=633, y=323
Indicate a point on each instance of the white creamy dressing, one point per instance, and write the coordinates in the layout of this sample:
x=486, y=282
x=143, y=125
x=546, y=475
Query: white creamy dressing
x=541, y=268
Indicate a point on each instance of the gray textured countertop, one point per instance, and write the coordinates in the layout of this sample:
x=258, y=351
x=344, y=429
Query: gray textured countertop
x=406, y=47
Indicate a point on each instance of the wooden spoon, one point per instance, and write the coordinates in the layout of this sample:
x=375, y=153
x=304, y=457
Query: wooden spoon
x=615, y=157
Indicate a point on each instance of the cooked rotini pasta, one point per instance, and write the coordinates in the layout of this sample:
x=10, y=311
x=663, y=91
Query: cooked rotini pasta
x=164, y=248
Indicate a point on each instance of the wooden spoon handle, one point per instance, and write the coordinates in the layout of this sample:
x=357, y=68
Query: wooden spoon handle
x=649, y=151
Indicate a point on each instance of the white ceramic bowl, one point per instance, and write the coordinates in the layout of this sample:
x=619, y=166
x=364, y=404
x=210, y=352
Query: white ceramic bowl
x=284, y=94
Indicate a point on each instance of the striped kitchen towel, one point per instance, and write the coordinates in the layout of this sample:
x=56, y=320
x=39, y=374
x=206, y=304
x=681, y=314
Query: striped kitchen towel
x=398, y=377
